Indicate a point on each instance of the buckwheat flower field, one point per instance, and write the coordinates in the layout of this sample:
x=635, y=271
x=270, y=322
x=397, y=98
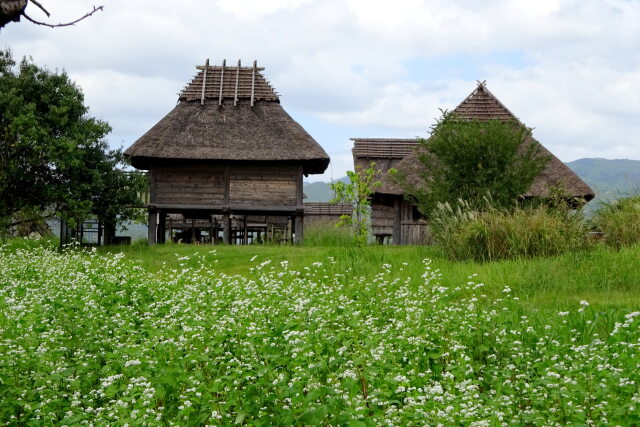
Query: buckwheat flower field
x=95, y=339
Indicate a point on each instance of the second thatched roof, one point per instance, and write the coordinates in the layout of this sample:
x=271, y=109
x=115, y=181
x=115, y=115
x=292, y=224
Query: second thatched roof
x=481, y=104
x=228, y=114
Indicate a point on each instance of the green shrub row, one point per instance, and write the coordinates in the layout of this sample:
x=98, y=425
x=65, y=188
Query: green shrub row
x=524, y=232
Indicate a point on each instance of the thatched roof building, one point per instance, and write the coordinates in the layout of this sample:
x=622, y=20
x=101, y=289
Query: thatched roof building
x=386, y=153
x=227, y=149
x=229, y=113
x=481, y=104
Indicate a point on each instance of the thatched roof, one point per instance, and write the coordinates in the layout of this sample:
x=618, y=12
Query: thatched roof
x=236, y=117
x=481, y=104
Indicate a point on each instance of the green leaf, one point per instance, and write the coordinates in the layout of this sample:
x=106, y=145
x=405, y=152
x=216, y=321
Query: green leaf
x=240, y=418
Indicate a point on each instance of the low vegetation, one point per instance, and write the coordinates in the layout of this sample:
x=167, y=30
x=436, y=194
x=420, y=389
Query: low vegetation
x=493, y=234
x=195, y=335
x=619, y=221
x=489, y=233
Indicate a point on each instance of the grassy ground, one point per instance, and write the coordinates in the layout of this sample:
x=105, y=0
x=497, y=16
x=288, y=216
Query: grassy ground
x=603, y=276
x=318, y=335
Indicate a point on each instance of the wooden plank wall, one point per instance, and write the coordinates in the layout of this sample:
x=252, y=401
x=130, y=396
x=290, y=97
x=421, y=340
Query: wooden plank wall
x=381, y=219
x=262, y=185
x=415, y=233
x=189, y=184
x=251, y=185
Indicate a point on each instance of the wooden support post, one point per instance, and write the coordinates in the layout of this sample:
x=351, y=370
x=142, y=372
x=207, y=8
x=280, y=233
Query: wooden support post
x=226, y=228
x=109, y=230
x=299, y=227
x=162, y=222
x=397, y=221
x=153, y=223
x=65, y=233
x=245, y=237
x=204, y=80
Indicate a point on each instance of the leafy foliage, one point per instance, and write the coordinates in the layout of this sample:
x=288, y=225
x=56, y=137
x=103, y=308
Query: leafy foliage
x=470, y=159
x=357, y=192
x=53, y=155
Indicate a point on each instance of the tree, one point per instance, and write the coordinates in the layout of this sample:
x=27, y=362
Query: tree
x=54, y=159
x=357, y=193
x=13, y=10
x=472, y=159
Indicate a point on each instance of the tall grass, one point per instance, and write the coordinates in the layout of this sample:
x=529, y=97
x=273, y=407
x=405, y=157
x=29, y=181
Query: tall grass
x=327, y=234
x=494, y=234
x=619, y=221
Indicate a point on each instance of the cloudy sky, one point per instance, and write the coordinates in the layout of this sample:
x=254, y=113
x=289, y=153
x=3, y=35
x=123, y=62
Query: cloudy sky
x=570, y=69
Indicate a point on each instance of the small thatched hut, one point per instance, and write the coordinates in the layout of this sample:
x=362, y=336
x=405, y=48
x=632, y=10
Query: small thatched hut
x=395, y=219
x=227, y=152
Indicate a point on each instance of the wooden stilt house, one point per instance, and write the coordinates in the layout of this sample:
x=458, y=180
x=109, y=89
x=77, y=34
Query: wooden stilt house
x=397, y=221
x=227, y=163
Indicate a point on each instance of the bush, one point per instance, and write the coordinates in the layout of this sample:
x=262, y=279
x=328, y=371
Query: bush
x=494, y=234
x=619, y=221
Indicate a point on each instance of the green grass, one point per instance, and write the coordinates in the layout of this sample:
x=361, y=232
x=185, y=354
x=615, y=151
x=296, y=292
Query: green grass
x=324, y=335
x=605, y=276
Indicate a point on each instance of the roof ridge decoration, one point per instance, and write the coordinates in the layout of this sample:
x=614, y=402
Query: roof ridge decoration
x=222, y=82
x=482, y=104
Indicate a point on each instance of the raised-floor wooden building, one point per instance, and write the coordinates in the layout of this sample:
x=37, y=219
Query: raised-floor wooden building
x=227, y=163
x=394, y=220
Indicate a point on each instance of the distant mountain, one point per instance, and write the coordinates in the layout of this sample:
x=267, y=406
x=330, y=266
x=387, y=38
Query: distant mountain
x=319, y=191
x=610, y=179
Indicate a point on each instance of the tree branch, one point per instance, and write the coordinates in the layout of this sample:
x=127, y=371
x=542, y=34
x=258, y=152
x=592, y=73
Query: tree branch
x=46, y=12
x=95, y=9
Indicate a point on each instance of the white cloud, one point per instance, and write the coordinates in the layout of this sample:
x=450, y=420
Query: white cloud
x=569, y=68
x=255, y=9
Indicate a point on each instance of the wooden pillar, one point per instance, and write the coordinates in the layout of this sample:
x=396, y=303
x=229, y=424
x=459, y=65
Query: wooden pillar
x=109, y=230
x=65, y=233
x=153, y=223
x=245, y=237
x=226, y=228
x=162, y=220
x=299, y=227
x=396, y=221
